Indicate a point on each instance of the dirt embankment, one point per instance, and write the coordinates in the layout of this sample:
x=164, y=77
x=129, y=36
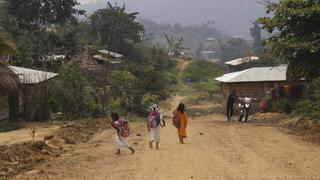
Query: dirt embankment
x=308, y=130
x=20, y=158
x=17, y=158
x=77, y=132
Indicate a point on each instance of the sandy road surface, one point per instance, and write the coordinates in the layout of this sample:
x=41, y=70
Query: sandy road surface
x=23, y=134
x=223, y=151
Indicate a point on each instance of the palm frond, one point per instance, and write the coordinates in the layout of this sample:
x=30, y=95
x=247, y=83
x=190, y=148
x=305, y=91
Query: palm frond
x=7, y=47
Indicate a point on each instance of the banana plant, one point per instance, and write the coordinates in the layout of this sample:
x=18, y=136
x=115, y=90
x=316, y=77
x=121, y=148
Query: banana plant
x=176, y=47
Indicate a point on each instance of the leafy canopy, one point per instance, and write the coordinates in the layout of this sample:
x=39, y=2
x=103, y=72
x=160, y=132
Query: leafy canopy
x=33, y=15
x=295, y=29
x=116, y=27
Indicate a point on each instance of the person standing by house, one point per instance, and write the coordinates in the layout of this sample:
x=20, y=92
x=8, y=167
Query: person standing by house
x=122, y=128
x=183, y=118
x=154, y=123
x=230, y=101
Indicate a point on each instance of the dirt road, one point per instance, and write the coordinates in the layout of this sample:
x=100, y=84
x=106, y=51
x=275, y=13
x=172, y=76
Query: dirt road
x=214, y=149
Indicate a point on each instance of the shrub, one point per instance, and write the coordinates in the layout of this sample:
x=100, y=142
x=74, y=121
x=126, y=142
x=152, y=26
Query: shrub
x=316, y=84
x=285, y=106
x=69, y=92
x=308, y=108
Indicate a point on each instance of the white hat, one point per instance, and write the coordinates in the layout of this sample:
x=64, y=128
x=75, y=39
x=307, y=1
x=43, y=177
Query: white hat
x=156, y=107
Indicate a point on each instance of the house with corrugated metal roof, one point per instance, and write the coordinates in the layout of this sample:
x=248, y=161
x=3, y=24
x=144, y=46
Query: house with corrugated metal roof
x=21, y=100
x=240, y=63
x=259, y=81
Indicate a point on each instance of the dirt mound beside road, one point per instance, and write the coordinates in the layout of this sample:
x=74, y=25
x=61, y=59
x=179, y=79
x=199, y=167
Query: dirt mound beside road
x=307, y=129
x=77, y=132
x=19, y=158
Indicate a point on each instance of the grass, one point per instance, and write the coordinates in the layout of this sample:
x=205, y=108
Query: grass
x=8, y=128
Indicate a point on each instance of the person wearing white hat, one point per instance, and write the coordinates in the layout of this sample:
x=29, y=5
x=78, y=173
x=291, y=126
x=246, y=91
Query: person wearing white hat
x=154, y=122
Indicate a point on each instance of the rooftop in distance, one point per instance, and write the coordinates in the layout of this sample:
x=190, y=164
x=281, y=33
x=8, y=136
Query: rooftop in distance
x=243, y=60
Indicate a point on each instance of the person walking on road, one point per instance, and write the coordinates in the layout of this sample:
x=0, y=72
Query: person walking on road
x=230, y=101
x=154, y=123
x=123, y=131
x=183, y=118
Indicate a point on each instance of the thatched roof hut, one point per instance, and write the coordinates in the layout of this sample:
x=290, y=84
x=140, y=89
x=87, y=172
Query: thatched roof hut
x=9, y=82
x=8, y=79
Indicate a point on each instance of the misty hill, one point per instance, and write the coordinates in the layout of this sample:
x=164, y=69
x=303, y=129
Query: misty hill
x=194, y=36
x=232, y=17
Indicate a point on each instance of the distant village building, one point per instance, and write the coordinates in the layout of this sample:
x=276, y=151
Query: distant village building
x=209, y=55
x=107, y=56
x=258, y=81
x=240, y=63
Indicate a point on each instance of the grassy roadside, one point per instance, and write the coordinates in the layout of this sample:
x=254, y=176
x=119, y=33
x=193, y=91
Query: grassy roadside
x=203, y=94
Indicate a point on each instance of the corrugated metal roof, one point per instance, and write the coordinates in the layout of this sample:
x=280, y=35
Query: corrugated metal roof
x=105, y=59
x=110, y=53
x=31, y=76
x=52, y=58
x=243, y=60
x=257, y=74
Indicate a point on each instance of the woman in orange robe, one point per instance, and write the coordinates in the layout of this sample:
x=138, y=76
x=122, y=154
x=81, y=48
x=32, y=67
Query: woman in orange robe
x=183, y=122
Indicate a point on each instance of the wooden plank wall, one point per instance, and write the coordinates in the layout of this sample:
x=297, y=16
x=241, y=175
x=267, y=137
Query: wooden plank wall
x=4, y=107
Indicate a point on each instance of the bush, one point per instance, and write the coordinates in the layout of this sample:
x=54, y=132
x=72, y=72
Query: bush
x=308, y=108
x=316, y=84
x=69, y=92
x=199, y=71
x=285, y=106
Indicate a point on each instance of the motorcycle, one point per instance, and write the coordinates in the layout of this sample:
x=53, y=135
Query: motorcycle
x=244, y=108
x=241, y=111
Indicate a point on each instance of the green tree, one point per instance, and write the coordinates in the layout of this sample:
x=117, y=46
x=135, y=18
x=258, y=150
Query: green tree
x=69, y=92
x=37, y=26
x=255, y=32
x=123, y=83
x=36, y=15
x=116, y=28
x=6, y=45
x=234, y=48
x=295, y=35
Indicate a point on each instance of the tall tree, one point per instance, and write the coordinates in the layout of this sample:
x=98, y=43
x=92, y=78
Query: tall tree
x=234, y=48
x=116, y=27
x=6, y=45
x=295, y=35
x=34, y=15
x=36, y=25
x=255, y=32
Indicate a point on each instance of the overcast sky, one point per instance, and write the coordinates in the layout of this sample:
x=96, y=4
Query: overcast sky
x=233, y=17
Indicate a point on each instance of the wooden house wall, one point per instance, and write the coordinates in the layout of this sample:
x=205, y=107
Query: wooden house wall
x=4, y=106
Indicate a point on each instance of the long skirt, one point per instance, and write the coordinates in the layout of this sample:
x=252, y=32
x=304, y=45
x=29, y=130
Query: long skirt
x=155, y=134
x=121, y=142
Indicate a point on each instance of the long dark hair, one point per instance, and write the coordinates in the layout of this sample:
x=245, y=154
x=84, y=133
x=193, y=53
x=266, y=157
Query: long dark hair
x=115, y=116
x=181, y=108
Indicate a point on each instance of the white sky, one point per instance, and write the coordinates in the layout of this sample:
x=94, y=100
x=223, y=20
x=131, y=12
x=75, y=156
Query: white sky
x=233, y=17
x=86, y=1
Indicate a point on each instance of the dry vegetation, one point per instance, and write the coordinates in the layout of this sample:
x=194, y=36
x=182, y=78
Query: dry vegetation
x=308, y=130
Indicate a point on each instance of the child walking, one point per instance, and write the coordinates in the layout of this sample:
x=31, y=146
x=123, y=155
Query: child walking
x=123, y=131
x=154, y=123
